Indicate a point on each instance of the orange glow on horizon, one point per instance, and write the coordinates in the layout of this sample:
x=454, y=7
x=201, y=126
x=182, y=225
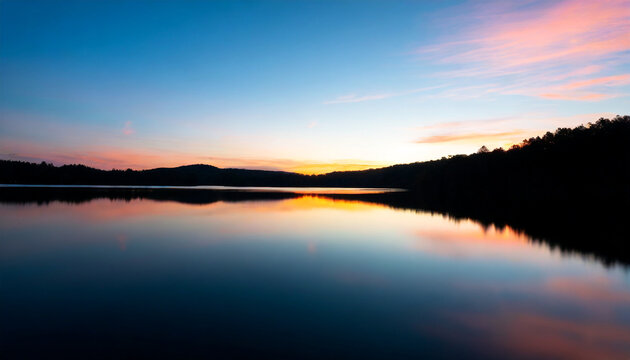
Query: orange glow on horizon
x=324, y=168
x=118, y=158
x=430, y=142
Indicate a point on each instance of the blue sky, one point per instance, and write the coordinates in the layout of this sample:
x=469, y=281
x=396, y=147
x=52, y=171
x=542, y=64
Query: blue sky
x=306, y=86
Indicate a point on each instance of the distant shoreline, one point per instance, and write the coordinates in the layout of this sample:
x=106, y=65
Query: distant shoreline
x=582, y=164
x=590, y=227
x=296, y=190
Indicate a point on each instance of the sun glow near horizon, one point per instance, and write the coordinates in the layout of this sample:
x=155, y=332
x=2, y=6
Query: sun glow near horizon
x=402, y=89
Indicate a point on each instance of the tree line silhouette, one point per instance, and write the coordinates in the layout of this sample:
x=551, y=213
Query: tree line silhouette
x=599, y=233
x=593, y=158
x=570, y=188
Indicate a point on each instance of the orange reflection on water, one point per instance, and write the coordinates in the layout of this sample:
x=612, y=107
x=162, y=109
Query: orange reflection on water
x=321, y=190
x=468, y=239
x=306, y=216
x=308, y=202
x=590, y=324
x=526, y=323
x=432, y=234
x=97, y=210
x=588, y=289
x=535, y=335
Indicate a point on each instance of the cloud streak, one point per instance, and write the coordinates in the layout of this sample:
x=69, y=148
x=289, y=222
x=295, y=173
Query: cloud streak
x=346, y=99
x=576, y=90
x=477, y=137
x=543, y=47
x=353, y=98
x=499, y=132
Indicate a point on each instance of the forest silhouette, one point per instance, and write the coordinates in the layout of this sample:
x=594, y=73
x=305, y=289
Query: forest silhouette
x=591, y=154
x=598, y=233
x=570, y=188
x=590, y=159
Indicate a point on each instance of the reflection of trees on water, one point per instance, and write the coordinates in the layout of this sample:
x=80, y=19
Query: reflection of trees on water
x=590, y=228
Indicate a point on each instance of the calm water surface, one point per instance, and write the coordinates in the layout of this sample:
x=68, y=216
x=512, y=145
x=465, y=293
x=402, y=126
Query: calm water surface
x=304, y=277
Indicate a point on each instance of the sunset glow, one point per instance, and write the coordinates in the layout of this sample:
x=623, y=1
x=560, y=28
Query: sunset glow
x=301, y=86
x=315, y=179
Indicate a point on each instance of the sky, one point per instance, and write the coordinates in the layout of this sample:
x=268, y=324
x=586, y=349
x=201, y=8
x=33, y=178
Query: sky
x=306, y=86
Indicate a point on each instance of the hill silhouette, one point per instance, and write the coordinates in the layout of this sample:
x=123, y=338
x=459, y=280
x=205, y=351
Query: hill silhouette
x=596, y=232
x=570, y=188
x=592, y=158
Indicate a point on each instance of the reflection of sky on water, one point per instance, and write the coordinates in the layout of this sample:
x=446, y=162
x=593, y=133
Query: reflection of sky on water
x=322, y=272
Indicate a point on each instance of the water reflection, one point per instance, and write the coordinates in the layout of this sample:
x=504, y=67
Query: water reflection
x=597, y=233
x=296, y=276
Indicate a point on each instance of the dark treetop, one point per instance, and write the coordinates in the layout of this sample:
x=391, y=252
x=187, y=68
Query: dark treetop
x=593, y=158
x=571, y=187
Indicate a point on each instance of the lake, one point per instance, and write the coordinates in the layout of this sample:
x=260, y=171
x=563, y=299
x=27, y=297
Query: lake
x=91, y=273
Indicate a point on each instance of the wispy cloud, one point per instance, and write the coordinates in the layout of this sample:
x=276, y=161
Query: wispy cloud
x=478, y=137
x=584, y=89
x=535, y=45
x=499, y=132
x=549, y=31
x=353, y=98
x=616, y=80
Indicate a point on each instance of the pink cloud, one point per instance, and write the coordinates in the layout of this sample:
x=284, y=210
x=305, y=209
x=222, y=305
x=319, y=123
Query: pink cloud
x=587, y=70
x=577, y=97
x=583, y=89
x=616, y=80
x=474, y=137
x=539, y=43
x=498, y=132
x=569, y=29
